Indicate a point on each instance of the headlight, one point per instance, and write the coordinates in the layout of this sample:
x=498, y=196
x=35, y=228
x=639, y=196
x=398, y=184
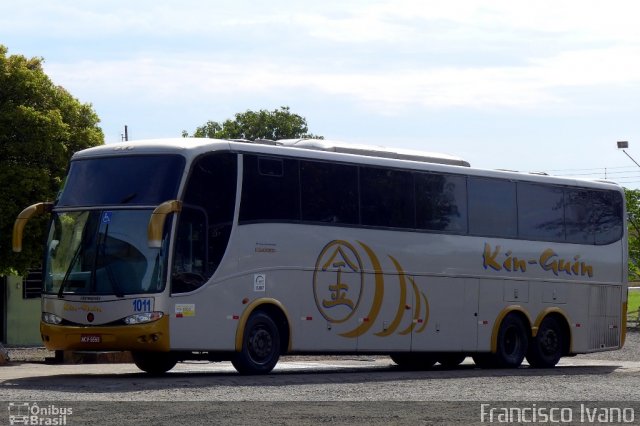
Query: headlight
x=142, y=318
x=50, y=318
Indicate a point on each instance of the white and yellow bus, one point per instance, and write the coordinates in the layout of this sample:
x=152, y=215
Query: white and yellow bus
x=226, y=250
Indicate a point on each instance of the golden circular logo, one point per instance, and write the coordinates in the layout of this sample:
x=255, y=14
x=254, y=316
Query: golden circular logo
x=338, y=281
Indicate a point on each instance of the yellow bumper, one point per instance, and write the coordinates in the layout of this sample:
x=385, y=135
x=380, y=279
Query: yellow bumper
x=152, y=336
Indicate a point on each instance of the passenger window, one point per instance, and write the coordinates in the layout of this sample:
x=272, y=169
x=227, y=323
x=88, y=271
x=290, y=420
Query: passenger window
x=540, y=212
x=270, y=189
x=492, y=208
x=607, y=216
x=441, y=202
x=387, y=198
x=329, y=192
x=577, y=213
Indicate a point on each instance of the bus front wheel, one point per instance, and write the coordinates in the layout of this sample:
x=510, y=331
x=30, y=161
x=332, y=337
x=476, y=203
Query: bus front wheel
x=260, y=346
x=545, y=350
x=154, y=362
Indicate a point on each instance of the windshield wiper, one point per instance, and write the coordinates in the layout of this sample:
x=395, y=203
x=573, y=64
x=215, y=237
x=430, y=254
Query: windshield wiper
x=67, y=273
x=113, y=280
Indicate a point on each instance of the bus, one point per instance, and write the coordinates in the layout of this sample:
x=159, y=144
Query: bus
x=222, y=250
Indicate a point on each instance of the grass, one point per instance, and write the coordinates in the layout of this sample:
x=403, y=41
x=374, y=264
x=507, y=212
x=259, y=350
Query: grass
x=633, y=304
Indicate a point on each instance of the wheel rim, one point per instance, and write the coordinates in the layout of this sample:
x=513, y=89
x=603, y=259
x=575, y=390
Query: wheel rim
x=512, y=341
x=549, y=342
x=260, y=344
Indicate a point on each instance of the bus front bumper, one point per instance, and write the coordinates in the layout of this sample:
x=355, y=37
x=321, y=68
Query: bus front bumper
x=152, y=336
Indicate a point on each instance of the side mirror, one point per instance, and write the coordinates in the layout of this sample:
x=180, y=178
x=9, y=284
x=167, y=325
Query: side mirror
x=156, y=223
x=23, y=218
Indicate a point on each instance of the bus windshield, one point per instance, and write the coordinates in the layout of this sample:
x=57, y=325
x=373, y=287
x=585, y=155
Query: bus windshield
x=102, y=252
x=134, y=180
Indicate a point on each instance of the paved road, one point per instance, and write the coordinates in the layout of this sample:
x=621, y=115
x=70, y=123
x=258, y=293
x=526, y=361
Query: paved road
x=352, y=391
x=340, y=390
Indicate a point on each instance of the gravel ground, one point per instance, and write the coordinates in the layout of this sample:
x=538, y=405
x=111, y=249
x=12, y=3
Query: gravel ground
x=630, y=352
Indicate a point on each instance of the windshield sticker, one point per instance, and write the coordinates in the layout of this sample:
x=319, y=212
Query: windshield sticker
x=548, y=260
x=106, y=217
x=185, y=310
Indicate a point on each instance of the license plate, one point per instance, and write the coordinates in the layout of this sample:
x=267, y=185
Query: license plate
x=90, y=338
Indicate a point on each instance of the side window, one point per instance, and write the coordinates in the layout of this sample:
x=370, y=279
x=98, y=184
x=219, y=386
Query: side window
x=577, y=213
x=441, y=202
x=607, y=216
x=540, y=212
x=204, y=225
x=492, y=207
x=271, y=189
x=386, y=197
x=329, y=192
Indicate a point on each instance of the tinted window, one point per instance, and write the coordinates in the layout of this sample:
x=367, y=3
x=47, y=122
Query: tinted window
x=607, y=216
x=132, y=180
x=441, y=202
x=329, y=192
x=492, y=207
x=205, y=222
x=540, y=212
x=270, y=189
x=386, y=197
x=577, y=213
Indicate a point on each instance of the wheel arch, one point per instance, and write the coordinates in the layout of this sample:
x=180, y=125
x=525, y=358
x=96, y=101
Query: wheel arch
x=276, y=310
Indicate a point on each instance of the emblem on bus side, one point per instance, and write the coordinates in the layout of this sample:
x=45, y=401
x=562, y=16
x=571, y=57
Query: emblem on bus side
x=339, y=286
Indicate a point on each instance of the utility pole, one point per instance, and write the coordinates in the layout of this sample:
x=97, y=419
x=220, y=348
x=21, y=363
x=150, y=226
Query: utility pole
x=125, y=137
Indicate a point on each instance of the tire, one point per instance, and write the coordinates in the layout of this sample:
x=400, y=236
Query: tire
x=260, y=346
x=513, y=341
x=546, y=349
x=451, y=360
x=414, y=361
x=155, y=363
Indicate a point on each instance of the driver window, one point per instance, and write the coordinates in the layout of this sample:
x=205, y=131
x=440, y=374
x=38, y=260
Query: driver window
x=204, y=225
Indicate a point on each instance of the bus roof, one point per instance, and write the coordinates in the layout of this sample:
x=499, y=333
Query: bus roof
x=329, y=150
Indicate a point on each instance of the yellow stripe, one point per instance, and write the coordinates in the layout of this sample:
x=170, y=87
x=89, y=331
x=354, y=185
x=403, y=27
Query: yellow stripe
x=426, y=314
x=416, y=313
x=623, y=336
x=377, y=299
x=401, y=304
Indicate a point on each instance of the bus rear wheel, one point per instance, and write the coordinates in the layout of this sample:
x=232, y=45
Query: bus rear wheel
x=414, y=361
x=260, y=346
x=513, y=341
x=546, y=348
x=155, y=363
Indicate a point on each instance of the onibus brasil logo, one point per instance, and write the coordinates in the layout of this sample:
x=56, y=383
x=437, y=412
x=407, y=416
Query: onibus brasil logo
x=26, y=413
x=345, y=291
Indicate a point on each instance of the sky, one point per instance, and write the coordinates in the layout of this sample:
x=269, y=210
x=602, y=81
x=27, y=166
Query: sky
x=549, y=85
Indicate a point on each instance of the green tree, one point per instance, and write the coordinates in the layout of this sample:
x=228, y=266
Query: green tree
x=251, y=125
x=633, y=210
x=41, y=126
